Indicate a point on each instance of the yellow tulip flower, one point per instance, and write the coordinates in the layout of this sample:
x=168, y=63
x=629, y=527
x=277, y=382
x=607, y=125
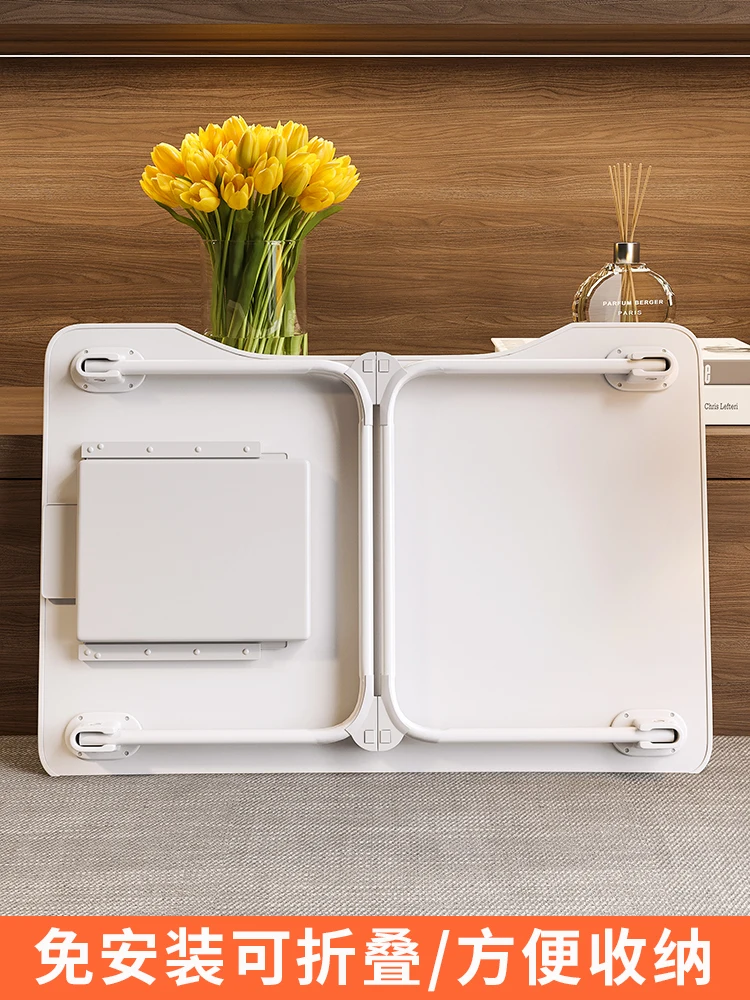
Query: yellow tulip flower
x=246, y=150
x=162, y=187
x=237, y=190
x=154, y=190
x=263, y=135
x=296, y=135
x=324, y=175
x=234, y=128
x=167, y=159
x=179, y=186
x=190, y=142
x=221, y=183
x=227, y=160
x=211, y=137
x=315, y=198
x=202, y=196
x=258, y=140
x=171, y=188
x=298, y=170
x=277, y=147
x=339, y=176
x=346, y=188
x=267, y=174
x=200, y=165
x=323, y=149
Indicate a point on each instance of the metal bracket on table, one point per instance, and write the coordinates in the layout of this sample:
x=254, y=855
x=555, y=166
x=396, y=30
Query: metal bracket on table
x=651, y=721
x=643, y=377
x=172, y=449
x=94, y=736
x=181, y=651
x=100, y=370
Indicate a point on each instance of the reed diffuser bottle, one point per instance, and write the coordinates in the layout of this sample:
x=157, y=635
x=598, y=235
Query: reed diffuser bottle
x=625, y=291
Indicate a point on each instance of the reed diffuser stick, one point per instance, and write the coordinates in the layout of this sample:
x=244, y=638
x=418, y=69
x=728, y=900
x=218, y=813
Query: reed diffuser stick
x=621, y=180
x=637, y=190
x=639, y=203
x=627, y=198
x=616, y=196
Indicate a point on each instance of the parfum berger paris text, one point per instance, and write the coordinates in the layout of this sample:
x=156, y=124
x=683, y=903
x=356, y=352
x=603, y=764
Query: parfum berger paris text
x=625, y=291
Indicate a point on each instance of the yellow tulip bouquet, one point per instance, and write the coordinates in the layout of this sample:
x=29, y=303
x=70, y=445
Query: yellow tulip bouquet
x=253, y=194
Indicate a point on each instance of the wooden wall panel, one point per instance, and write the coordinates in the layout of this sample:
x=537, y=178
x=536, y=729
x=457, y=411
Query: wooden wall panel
x=20, y=456
x=20, y=505
x=379, y=12
x=484, y=200
x=728, y=452
x=210, y=39
x=729, y=553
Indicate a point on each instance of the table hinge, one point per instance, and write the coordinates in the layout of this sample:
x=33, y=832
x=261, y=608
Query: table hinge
x=376, y=730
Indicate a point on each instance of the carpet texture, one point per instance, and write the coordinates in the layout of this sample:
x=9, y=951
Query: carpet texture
x=370, y=844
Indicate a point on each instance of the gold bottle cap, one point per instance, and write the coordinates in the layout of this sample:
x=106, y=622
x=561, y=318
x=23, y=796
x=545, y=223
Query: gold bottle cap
x=627, y=253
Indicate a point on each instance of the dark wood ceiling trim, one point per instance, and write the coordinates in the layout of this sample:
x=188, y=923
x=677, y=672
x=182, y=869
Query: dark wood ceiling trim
x=369, y=39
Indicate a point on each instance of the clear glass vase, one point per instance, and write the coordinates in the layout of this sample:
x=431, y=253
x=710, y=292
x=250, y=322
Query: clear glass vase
x=254, y=295
x=625, y=291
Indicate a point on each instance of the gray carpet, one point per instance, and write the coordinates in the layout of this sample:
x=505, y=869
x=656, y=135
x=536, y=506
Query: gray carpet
x=375, y=844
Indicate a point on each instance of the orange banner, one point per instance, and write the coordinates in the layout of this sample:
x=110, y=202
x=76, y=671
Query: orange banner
x=370, y=956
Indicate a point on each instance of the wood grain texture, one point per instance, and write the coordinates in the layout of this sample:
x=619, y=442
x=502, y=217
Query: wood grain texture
x=20, y=455
x=377, y=12
x=404, y=40
x=729, y=555
x=484, y=200
x=728, y=452
x=21, y=410
x=20, y=505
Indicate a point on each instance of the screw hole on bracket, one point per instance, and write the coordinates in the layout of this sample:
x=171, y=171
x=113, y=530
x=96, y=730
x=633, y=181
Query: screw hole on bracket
x=641, y=377
x=104, y=726
x=645, y=720
x=102, y=365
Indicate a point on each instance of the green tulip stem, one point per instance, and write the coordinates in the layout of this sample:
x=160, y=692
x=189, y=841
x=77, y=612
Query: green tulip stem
x=254, y=255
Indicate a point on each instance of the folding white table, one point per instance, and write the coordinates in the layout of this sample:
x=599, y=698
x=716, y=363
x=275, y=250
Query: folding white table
x=486, y=562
